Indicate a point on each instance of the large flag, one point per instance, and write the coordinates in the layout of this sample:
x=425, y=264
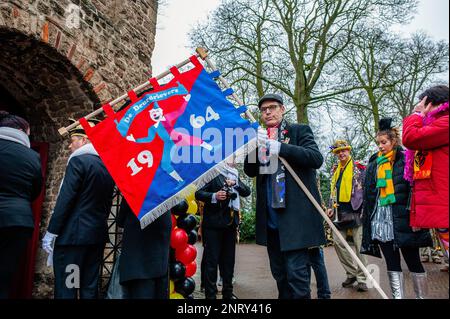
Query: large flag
x=176, y=135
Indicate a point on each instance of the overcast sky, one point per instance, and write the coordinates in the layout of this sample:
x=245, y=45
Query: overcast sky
x=177, y=17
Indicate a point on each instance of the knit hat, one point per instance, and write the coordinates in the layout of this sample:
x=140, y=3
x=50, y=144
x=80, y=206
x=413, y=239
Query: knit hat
x=340, y=145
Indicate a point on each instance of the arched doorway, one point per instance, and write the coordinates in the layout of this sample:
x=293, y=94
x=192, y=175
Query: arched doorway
x=41, y=85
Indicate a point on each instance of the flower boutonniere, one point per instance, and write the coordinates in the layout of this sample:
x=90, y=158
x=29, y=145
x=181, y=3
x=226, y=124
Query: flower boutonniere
x=285, y=137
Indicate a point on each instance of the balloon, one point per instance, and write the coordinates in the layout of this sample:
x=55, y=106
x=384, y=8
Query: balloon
x=174, y=221
x=187, y=223
x=189, y=192
x=178, y=239
x=190, y=297
x=177, y=271
x=186, y=255
x=180, y=209
x=191, y=269
x=192, y=237
x=185, y=287
x=171, y=287
x=176, y=295
x=192, y=208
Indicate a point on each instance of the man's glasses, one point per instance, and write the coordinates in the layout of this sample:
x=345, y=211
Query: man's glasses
x=270, y=108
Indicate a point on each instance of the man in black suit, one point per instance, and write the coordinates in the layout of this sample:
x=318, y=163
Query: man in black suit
x=78, y=226
x=219, y=226
x=286, y=221
x=144, y=260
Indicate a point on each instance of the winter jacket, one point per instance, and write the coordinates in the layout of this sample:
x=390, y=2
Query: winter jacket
x=403, y=233
x=20, y=184
x=429, y=207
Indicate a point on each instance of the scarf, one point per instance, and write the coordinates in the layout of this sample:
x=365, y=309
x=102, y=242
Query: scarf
x=384, y=178
x=418, y=163
x=345, y=189
x=231, y=173
x=14, y=135
x=85, y=149
x=278, y=178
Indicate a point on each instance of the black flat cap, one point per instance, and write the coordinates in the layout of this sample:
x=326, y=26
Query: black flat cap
x=270, y=97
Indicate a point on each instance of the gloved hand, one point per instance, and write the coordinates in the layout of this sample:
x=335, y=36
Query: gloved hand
x=274, y=147
x=48, y=242
x=262, y=137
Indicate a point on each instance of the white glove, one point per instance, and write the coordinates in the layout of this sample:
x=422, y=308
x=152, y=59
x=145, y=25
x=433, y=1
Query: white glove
x=262, y=137
x=274, y=147
x=48, y=241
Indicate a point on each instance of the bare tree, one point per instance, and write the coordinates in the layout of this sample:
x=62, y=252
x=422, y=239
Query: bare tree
x=422, y=63
x=286, y=45
x=391, y=71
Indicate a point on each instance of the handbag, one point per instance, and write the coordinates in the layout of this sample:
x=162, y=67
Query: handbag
x=347, y=220
x=115, y=289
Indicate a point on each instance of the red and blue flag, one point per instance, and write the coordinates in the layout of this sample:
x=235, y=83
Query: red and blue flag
x=176, y=135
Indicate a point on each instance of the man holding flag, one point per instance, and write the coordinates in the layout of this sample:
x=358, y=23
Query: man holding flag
x=286, y=221
x=78, y=229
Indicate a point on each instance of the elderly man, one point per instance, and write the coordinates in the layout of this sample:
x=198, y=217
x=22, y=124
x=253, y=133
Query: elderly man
x=286, y=221
x=78, y=228
x=346, y=199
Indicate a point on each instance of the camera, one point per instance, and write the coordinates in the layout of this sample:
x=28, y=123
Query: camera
x=229, y=190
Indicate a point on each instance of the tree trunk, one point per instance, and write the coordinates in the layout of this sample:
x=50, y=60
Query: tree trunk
x=301, y=106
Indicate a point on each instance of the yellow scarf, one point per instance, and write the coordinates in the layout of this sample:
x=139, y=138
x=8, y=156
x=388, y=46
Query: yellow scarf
x=345, y=189
x=384, y=178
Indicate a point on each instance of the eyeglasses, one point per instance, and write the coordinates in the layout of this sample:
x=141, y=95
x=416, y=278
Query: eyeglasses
x=271, y=108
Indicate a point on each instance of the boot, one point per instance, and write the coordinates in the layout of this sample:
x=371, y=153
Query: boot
x=420, y=284
x=396, y=283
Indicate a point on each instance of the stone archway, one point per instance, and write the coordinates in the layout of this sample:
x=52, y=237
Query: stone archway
x=51, y=70
x=45, y=88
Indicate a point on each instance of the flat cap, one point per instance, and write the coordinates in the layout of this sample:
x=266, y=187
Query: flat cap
x=270, y=97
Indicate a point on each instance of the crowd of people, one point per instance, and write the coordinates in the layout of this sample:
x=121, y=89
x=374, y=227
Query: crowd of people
x=390, y=202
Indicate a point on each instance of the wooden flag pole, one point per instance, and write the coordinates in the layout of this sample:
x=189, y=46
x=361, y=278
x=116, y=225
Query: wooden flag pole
x=64, y=130
x=204, y=56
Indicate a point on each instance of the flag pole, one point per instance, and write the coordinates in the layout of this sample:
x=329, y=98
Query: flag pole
x=204, y=55
x=333, y=227
x=64, y=130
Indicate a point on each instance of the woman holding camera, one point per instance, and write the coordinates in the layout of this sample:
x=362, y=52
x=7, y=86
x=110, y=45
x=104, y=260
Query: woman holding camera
x=219, y=227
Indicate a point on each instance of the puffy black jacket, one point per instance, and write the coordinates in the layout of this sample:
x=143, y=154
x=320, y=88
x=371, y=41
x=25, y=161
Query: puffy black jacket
x=20, y=184
x=403, y=233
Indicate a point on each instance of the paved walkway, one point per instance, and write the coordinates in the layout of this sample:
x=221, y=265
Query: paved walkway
x=254, y=280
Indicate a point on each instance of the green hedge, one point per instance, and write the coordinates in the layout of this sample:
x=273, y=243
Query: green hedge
x=247, y=230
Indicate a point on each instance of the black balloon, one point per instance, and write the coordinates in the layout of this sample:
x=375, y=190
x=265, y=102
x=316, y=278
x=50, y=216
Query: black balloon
x=177, y=271
x=185, y=287
x=192, y=237
x=180, y=209
x=187, y=223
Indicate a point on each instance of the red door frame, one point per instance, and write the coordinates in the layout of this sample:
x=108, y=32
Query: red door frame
x=23, y=283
